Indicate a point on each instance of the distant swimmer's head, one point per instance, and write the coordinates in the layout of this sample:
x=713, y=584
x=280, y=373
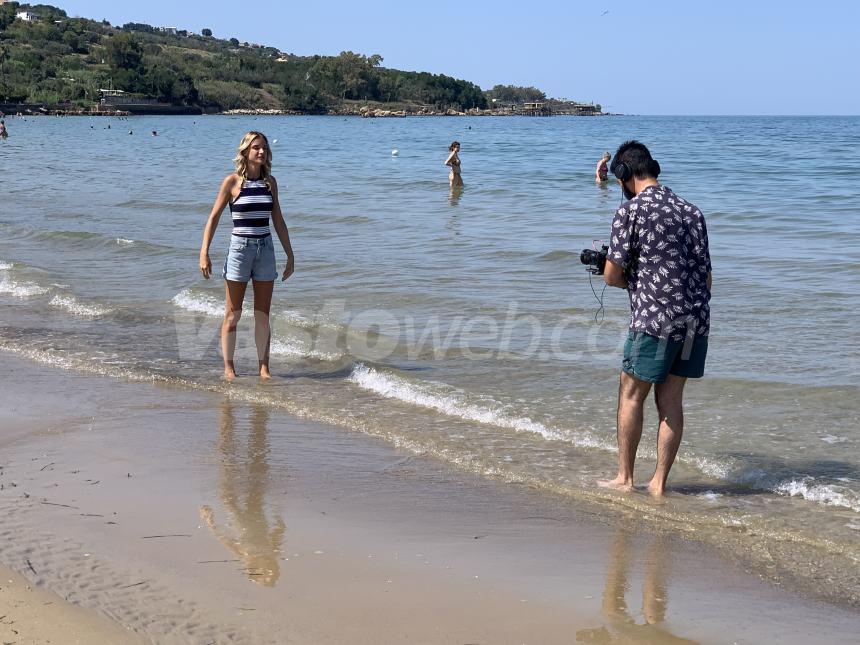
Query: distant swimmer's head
x=455, y=145
x=254, y=149
x=607, y=156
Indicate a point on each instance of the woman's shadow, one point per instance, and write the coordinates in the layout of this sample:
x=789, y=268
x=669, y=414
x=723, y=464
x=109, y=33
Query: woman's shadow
x=620, y=625
x=243, y=477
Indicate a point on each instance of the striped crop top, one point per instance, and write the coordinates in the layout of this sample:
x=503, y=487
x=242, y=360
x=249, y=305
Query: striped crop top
x=252, y=209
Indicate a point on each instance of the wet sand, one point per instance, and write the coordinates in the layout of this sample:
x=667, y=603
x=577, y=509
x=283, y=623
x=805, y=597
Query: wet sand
x=175, y=516
x=35, y=616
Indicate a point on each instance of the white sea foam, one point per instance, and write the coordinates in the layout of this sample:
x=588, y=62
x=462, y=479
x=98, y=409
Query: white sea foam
x=290, y=347
x=197, y=303
x=211, y=306
x=821, y=493
x=21, y=289
x=124, y=242
x=5, y=266
x=447, y=400
x=831, y=439
x=710, y=496
x=74, y=306
x=296, y=319
x=763, y=480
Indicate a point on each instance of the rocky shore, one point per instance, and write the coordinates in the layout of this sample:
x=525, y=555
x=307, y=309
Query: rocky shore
x=378, y=112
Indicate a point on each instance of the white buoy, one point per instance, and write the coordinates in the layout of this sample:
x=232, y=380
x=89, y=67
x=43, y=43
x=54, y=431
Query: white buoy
x=395, y=152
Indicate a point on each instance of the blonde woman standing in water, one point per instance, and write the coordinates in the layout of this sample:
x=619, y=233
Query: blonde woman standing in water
x=252, y=194
x=453, y=161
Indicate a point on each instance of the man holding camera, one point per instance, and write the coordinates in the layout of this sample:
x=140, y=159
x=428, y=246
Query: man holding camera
x=659, y=253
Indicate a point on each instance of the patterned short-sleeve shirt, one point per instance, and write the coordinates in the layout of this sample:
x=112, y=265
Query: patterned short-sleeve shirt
x=661, y=242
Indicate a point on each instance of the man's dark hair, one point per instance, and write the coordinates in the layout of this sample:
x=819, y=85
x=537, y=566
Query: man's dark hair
x=637, y=157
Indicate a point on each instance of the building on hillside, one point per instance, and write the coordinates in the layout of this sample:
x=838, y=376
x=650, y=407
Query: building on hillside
x=26, y=16
x=171, y=31
x=536, y=108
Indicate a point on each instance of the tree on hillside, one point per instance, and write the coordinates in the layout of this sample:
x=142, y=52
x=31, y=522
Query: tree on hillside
x=139, y=26
x=7, y=15
x=125, y=57
x=47, y=12
x=348, y=75
x=515, y=94
x=169, y=86
x=124, y=52
x=207, y=33
x=390, y=86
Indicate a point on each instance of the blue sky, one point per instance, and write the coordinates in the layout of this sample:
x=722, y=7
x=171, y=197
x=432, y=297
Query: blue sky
x=670, y=57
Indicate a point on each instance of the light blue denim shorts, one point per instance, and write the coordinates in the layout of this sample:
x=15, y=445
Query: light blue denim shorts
x=250, y=258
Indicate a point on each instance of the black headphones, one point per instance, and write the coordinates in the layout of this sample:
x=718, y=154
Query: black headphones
x=623, y=172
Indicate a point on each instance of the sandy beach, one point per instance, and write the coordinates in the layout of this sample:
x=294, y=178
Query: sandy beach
x=138, y=513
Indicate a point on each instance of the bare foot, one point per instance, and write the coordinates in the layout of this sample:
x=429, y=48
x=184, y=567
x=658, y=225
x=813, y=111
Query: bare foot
x=656, y=490
x=229, y=373
x=264, y=372
x=618, y=483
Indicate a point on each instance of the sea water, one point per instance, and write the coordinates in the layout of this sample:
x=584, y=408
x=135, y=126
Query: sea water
x=461, y=325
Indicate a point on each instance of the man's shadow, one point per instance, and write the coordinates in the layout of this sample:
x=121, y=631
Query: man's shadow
x=243, y=477
x=620, y=625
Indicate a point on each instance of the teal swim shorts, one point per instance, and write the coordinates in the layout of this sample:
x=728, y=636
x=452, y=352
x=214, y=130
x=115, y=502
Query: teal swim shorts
x=649, y=359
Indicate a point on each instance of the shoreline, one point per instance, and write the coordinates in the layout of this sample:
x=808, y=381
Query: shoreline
x=372, y=545
x=363, y=112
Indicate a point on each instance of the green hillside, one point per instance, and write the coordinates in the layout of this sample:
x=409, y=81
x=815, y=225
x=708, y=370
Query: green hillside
x=60, y=60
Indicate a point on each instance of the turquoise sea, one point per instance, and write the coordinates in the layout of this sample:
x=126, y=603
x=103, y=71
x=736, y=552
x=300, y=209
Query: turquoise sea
x=463, y=326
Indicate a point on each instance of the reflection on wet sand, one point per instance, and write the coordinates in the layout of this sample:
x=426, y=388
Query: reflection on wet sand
x=621, y=626
x=245, y=529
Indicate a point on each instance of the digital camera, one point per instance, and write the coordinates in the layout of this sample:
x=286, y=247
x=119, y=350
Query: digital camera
x=594, y=260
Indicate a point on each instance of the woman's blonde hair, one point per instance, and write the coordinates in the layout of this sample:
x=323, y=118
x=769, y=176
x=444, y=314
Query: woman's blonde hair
x=241, y=159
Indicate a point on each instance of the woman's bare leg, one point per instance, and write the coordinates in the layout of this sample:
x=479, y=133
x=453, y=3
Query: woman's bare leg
x=232, y=313
x=262, y=328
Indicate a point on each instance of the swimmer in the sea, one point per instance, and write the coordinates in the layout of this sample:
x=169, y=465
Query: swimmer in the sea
x=601, y=173
x=453, y=162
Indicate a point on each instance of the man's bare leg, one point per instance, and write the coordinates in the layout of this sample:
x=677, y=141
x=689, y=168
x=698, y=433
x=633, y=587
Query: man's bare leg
x=632, y=393
x=669, y=397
